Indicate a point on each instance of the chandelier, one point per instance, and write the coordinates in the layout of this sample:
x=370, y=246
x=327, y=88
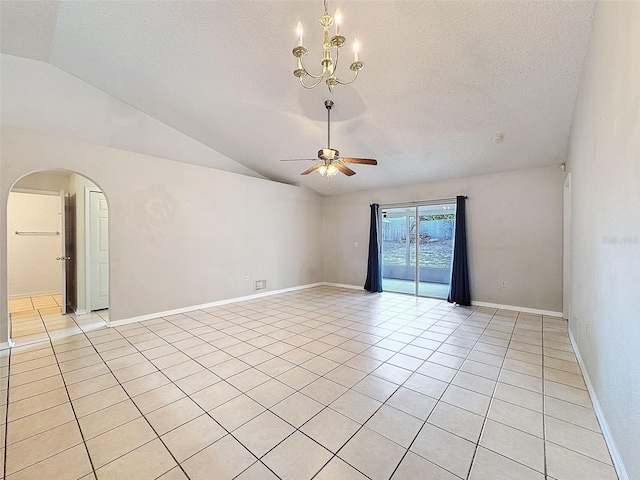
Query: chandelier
x=330, y=52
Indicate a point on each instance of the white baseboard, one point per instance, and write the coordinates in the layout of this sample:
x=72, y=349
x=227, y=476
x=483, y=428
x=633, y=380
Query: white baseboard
x=142, y=318
x=604, y=426
x=536, y=311
x=33, y=294
x=83, y=311
x=343, y=285
x=5, y=345
x=479, y=304
x=151, y=316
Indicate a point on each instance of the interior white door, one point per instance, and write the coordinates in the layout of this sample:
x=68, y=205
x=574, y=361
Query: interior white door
x=99, y=251
x=63, y=252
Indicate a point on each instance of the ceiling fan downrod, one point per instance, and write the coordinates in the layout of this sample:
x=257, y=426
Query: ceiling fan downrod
x=328, y=104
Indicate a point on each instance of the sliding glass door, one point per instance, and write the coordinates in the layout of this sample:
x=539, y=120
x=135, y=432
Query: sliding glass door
x=398, y=250
x=423, y=231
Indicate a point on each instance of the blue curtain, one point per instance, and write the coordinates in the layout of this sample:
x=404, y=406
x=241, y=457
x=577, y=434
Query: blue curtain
x=459, y=287
x=374, y=266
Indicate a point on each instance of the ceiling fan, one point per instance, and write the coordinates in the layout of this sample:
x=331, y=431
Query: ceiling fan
x=329, y=160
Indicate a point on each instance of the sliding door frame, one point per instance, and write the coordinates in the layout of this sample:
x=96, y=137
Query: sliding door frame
x=416, y=206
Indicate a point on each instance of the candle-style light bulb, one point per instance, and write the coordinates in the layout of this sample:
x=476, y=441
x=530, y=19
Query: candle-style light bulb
x=338, y=19
x=299, y=33
x=356, y=49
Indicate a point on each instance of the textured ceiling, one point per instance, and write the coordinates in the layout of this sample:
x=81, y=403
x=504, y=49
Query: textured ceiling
x=440, y=79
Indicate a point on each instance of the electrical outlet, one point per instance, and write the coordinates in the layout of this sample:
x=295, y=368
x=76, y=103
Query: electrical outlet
x=224, y=280
x=246, y=279
x=503, y=284
x=355, y=244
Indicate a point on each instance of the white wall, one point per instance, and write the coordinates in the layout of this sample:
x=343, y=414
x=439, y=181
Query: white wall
x=38, y=96
x=605, y=165
x=176, y=229
x=32, y=266
x=48, y=181
x=514, y=229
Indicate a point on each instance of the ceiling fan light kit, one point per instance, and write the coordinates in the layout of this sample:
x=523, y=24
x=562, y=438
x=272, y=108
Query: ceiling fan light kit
x=330, y=54
x=328, y=170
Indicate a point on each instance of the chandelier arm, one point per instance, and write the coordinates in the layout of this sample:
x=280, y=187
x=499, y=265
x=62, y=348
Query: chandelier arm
x=335, y=65
x=307, y=71
x=309, y=87
x=350, y=81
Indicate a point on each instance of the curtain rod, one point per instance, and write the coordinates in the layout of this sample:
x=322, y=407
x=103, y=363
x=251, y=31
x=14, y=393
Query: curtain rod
x=421, y=202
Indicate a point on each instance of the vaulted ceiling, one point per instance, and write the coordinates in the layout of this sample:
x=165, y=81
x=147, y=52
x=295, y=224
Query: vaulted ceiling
x=440, y=79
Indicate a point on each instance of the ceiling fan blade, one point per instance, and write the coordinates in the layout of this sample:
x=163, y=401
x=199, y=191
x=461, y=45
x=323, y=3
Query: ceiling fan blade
x=311, y=169
x=363, y=161
x=344, y=169
x=300, y=160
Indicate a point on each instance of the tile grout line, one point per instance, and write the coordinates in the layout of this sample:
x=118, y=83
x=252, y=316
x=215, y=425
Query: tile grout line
x=413, y=372
x=258, y=459
x=449, y=383
x=119, y=383
x=267, y=409
x=6, y=429
x=296, y=429
x=6, y=415
x=75, y=417
x=493, y=397
x=55, y=355
x=426, y=420
x=495, y=387
x=50, y=342
x=544, y=402
x=465, y=388
x=138, y=408
x=299, y=390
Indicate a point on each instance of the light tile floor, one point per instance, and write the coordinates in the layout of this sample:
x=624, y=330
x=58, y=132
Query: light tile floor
x=39, y=318
x=27, y=314
x=323, y=383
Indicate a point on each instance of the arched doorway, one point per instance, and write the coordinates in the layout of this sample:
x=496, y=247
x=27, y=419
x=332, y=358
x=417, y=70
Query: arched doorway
x=57, y=256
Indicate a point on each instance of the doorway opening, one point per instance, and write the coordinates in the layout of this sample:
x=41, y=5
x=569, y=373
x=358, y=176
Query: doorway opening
x=57, y=256
x=424, y=232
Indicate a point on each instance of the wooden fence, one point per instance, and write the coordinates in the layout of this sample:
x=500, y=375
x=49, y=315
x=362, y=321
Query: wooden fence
x=395, y=229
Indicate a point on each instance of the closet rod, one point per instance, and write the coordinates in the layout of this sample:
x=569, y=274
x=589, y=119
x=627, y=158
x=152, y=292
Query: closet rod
x=41, y=234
